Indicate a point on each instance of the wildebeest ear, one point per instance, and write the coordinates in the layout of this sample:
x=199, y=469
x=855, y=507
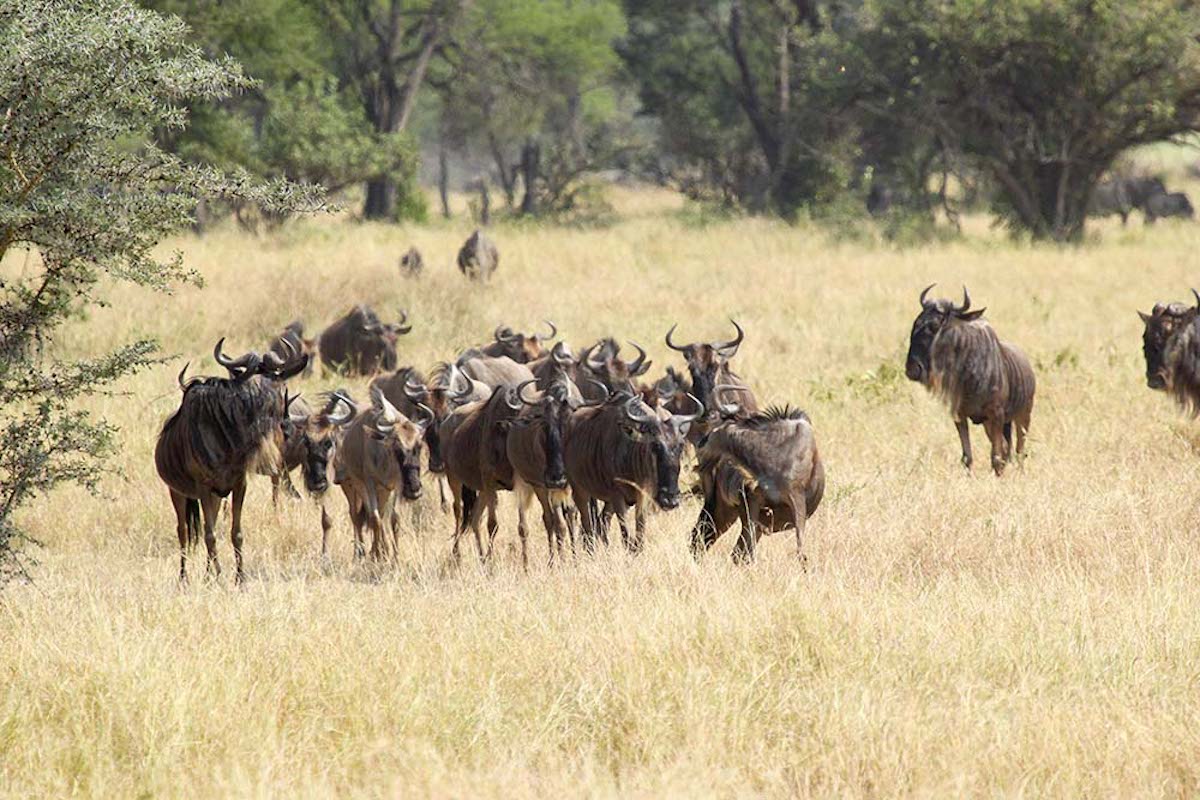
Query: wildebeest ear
x=1145, y=317
x=971, y=316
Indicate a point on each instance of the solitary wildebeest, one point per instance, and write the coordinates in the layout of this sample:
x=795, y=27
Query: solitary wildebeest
x=360, y=344
x=224, y=429
x=411, y=263
x=1122, y=194
x=478, y=258
x=1171, y=344
x=1175, y=204
x=520, y=347
x=763, y=470
x=956, y=355
x=293, y=335
x=622, y=453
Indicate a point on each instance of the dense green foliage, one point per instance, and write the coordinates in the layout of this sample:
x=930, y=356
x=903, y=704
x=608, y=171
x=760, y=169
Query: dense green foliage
x=86, y=195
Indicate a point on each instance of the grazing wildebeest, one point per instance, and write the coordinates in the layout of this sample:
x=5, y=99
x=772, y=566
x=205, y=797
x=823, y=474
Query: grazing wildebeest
x=310, y=441
x=1171, y=345
x=360, y=344
x=1174, y=204
x=559, y=361
x=520, y=347
x=292, y=336
x=535, y=451
x=623, y=453
x=478, y=258
x=956, y=355
x=763, y=470
x=477, y=466
x=1122, y=194
x=411, y=263
x=380, y=455
x=603, y=364
x=493, y=370
x=224, y=429
x=708, y=365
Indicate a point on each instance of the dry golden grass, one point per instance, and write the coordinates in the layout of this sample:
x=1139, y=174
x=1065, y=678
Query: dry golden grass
x=954, y=635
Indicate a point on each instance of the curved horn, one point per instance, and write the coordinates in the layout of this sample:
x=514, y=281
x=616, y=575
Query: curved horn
x=414, y=390
x=561, y=355
x=272, y=361
x=400, y=327
x=925, y=291
x=726, y=409
x=1197, y=296
x=385, y=407
x=640, y=365
x=228, y=363
x=603, y=389
x=179, y=379
x=457, y=377
x=503, y=334
x=553, y=331
x=340, y=419
x=681, y=419
x=966, y=304
x=730, y=348
x=633, y=408
x=595, y=365
x=427, y=416
x=511, y=398
x=671, y=344
x=288, y=400
x=521, y=393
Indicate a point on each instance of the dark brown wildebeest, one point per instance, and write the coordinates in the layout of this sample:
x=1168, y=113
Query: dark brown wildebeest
x=520, y=347
x=292, y=337
x=763, y=470
x=493, y=371
x=478, y=258
x=956, y=355
x=558, y=362
x=310, y=441
x=477, y=467
x=622, y=453
x=380, y=454
x=708, y=364
x=1121, y=194
x=672, y=390
x=360, y=344
x=224, y=429
x=1171, y=345
x=602, y=363
x=411, y=263
x=535, y=451
x=1174, y=204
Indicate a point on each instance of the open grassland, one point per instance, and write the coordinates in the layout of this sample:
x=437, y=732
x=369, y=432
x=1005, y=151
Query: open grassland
x=953, y=634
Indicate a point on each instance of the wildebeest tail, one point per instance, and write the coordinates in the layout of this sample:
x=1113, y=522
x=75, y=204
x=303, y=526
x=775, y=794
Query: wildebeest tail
x=192, y=521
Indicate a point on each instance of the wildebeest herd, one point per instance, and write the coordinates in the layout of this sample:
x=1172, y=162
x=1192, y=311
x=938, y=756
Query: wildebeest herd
x=589, y=436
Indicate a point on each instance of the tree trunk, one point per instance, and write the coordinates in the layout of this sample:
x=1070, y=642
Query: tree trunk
x=508, y=176
x=444, y=180
x=381, y=199
x=530, y=168
x=485, y=203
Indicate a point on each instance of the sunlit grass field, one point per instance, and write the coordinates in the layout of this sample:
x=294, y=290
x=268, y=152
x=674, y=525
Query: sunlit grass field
x=953, y=634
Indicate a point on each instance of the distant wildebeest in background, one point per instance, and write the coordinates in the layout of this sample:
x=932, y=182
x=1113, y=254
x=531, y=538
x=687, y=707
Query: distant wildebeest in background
x=624, y=454
x=411, y=263
x=310, y=441
x=708, y=365
x=1171, y=345
x=957, y=356
x=478, y=258
x=224, y=429
x=1174, y=204
x=1122, y=194
x=380, y=455
x=763, y=470
x=293, y=335
x=520, y=347
x=359, y=343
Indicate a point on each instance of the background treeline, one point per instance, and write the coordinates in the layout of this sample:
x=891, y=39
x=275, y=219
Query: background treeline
x=769, y=106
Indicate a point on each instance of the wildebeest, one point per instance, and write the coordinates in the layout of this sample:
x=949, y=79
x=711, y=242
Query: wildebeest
x=763, y=470
x=559, y=361
x=292, y=336
x=493, y=370
x=622, y=453
x=1174, y=204
x=1171, y=345
x=1122, y=194
x=478, y=258
x=310, y=442
x=411, y=263
x=672, y=390
x=223, y=429
x=956, y=355
x=360, y=344
x=380, y=455
x=708, y=365
x=535, y=451
x=520, y=347
x=602, y=363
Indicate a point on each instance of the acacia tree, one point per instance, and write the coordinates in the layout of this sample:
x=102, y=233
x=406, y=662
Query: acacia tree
x=85, y=195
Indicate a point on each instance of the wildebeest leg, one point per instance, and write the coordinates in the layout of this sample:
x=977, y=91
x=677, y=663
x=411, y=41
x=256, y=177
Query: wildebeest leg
x=391, y=514
x=1022, y=423
x=800, y=516
x=378, y=542
x=326, y=524
x=622, y=513
x=568, y=517
x=995, y=433
x=743, y=551
x=639, y=528
x=964, y=436
x=704, y=532
x=444, y=493
x=180, y=504
x=235, y=528
x=587, y=518
x=1008, y=441
x=211, y=505
x=493, y=524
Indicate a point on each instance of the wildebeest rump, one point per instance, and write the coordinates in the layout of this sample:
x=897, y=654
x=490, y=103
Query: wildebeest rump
x=359, y=343
x=956, y=354
x=1175, y=204
x=223, y=429
x=478, y=258
x=1171, y=346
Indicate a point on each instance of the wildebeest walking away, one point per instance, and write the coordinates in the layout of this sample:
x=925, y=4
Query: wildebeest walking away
x=956, y=355
x=1171, y=345
x=478, y=258
x=224, y=429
